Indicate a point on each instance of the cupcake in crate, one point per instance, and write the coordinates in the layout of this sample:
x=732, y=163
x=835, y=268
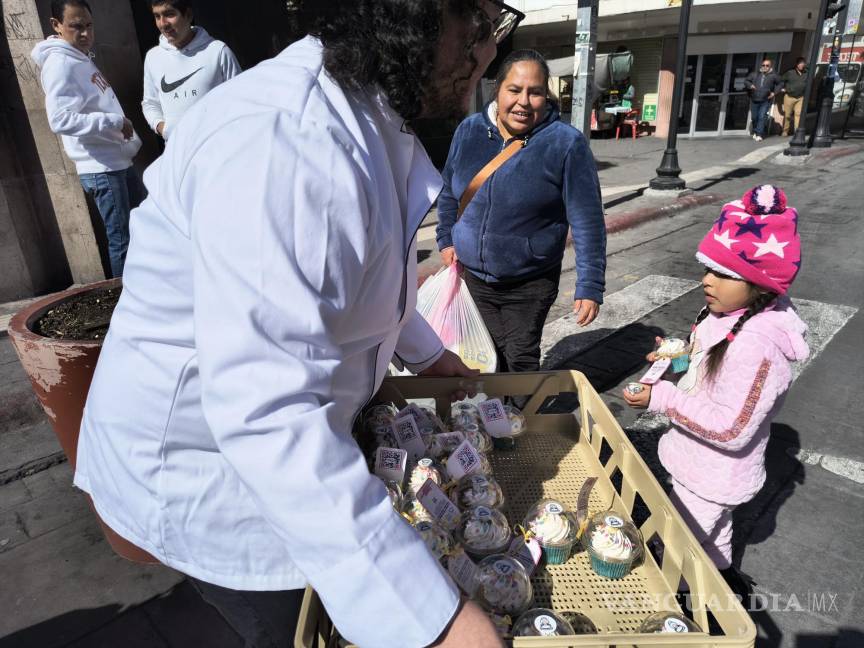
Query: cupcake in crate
x=613, y=543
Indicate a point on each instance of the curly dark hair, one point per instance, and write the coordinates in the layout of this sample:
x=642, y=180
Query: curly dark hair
x=389, y=43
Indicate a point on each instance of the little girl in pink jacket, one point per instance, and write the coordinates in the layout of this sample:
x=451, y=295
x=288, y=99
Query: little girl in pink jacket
x=742, y=345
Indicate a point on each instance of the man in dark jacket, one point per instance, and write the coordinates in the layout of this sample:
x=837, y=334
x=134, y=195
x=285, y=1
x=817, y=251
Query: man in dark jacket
x=794, y=84
x=762, y=86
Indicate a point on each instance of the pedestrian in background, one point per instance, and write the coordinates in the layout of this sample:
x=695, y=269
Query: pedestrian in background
x=83, y=109
x=762, y=86
x=794, y=85
x=510, y=239
x=185, y=65
x=272, y=277
x=742, y=347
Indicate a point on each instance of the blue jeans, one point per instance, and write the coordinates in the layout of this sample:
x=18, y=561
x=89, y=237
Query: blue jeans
x=759, y=115
x=116, y=193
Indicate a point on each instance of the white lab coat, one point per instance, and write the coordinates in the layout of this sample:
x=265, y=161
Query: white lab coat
x=270, y=278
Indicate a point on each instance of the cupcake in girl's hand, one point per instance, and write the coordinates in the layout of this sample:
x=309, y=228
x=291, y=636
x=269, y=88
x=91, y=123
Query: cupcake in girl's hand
x=677, y=351
x=504, y=585
x=554, y=528
x=613, y=544
x=478, y=490
x=483, y=531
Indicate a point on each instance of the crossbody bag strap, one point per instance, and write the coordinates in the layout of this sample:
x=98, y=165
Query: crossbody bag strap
x=491, y=167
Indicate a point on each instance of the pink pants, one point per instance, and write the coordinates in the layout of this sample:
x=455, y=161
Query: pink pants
x=709, y=521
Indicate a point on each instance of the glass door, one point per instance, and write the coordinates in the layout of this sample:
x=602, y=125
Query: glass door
x=737, y=117
x=711, y=83
x=685, y=116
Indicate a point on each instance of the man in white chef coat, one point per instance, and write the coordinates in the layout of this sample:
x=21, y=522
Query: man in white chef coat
x=270, y=280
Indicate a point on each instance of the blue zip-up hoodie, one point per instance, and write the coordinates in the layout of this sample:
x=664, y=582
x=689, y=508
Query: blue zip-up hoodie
x=516, y=225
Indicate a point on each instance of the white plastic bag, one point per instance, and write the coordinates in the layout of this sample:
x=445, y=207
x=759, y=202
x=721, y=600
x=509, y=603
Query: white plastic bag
x=444, y=301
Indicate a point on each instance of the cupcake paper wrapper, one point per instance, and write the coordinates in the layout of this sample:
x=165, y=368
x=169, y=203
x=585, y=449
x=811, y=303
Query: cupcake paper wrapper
x=680, y=363
x=614, y=570
x=557, y=555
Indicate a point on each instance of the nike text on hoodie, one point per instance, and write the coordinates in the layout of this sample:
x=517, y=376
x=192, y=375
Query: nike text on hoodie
x=83, y=109
x=174, y=79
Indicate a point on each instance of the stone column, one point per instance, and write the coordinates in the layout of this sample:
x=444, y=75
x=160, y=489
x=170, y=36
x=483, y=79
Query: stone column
x=46, y=212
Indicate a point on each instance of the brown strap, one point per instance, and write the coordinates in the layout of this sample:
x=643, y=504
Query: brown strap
x=491, y=167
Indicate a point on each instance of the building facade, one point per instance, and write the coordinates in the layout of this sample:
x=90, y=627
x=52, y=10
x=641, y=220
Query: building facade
x=727, y=40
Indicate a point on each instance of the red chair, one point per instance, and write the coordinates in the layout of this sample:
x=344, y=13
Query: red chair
x=631, y=119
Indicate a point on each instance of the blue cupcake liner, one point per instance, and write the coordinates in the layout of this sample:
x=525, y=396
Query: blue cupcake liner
x=614, y=570
x=557, y=555
x=680, y=363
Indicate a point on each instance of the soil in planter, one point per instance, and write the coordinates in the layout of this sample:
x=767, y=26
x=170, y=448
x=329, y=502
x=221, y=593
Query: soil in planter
x=84, y=317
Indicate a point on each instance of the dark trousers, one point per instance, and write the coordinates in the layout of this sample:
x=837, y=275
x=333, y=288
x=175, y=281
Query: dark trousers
x=262, y=619
x=759, y=116
x=514, y=314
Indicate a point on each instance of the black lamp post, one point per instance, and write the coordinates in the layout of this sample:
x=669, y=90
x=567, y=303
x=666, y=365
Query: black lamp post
x=668, y=173
x=822, y=137
x=798, y=144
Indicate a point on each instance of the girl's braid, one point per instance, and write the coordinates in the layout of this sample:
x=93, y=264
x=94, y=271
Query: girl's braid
x=718, y=351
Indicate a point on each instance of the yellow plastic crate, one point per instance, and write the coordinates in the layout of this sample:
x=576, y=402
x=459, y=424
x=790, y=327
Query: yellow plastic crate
x=554, y=459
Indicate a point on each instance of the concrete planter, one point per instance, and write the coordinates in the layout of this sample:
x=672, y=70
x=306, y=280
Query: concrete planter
x=60, y=372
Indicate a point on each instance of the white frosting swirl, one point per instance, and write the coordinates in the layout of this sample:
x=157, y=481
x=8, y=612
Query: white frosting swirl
x=611, y=543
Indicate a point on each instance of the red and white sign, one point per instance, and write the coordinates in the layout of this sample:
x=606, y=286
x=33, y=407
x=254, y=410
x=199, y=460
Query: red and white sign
x=848, y=54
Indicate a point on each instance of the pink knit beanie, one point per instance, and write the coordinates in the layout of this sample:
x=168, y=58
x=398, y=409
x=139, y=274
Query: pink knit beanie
x=755, y=239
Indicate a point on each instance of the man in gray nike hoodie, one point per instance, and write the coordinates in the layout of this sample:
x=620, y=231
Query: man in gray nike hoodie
x=84, y=110
x=185, y=66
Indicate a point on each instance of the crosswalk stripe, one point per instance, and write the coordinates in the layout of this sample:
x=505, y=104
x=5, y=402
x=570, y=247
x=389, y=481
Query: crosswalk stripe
x=563, y=338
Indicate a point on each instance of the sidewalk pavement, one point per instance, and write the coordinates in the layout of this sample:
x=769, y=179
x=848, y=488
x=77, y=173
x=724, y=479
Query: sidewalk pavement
x=63, y=586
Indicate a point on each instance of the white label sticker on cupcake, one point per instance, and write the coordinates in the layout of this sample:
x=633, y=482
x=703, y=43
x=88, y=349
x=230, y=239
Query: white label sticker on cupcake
x=503, y=568
x=614, y=521
x=554, y=508
x=675, y=625
x=546, y=625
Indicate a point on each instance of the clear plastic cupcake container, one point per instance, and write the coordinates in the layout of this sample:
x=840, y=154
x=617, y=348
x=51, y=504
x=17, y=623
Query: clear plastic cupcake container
x=425, y=469
x=580, y=623
x=438, y=540
x=668, y=622
x=477, y=437
x=613, y=544
x=461, y=420
x=464, y=408
x=442, y=446
x=415, y=511
x=504, y=586
x=477, y=490
x=394, y=490
x=483, y=531
x=555, y=529
x=518, y=427
x=541, y=622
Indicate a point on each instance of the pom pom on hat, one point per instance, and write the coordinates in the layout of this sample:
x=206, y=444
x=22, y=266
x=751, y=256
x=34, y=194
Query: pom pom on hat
x=764, y=199
x=755, y=239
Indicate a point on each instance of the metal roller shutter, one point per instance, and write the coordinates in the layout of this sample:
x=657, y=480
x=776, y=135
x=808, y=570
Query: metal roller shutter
x=645, y=74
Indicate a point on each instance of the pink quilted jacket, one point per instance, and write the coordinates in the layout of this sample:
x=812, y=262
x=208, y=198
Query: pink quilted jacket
x=716, y=445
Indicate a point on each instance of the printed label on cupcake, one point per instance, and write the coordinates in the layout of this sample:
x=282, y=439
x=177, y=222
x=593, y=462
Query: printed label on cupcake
x=408, y=437
x=503, y=568
x=614, y=521
x=656, y=371
x=439, y=506
x=675, y=625
x=464, y=461
x=546, y=625
x=464, y=572
x=554, y=508
x=390, y=464
x=528, y=552
x=495, y=419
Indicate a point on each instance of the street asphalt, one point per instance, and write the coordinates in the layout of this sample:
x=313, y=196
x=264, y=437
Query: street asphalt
x=799, y=539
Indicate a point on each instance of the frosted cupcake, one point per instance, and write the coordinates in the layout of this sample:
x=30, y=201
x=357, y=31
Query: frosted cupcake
x=425, y=469
x=477, y=437
x=415, y=511
x=382, y=435
x=438, y=541
x=554, y=529
x=465, y=408
x=443, y=445
x=668, y=622
x=518, y=427
x=483, y=531
x=504, y=586
x=541, y=622
x=477, y=490
x=613, y=544
x=677, y=351
x=461, y=420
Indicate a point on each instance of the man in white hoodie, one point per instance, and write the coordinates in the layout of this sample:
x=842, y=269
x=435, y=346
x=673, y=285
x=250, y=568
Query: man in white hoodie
x=84, y=110
x=185, y=66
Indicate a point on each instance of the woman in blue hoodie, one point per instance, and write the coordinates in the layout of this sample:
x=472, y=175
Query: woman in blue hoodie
x=511, y=236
